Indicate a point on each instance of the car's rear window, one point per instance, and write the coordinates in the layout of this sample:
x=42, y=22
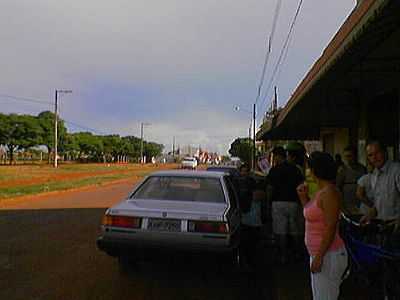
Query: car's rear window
x=179, y=188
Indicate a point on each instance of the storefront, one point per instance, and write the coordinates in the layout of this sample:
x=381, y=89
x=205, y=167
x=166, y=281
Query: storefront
x=352, y=92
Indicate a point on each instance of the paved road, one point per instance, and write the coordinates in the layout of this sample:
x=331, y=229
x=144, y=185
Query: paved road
x=47, y=251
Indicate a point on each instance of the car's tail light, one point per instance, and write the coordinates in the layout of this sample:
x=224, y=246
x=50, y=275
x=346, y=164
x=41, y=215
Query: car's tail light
x=207, y=227
x=121, y=221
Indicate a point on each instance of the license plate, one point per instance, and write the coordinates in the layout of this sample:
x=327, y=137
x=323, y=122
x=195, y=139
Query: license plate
x=164, y=225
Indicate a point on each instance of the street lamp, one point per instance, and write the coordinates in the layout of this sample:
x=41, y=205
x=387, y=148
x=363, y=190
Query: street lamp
x=141, y=140
x=56, y=123
x=238, y=108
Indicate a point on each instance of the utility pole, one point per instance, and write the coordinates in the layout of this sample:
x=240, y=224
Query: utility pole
x=141, y=140
x=55, y=131
x=252, y=148
x=254, y=136
x=56, y=124
x=141, y=143
x=173, y=146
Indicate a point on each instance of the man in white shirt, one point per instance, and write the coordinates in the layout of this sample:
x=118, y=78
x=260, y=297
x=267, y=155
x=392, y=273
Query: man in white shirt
x=385, y=184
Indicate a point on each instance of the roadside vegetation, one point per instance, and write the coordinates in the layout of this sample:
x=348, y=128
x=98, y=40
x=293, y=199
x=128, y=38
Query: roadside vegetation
x=23, y=180
x=30, y=139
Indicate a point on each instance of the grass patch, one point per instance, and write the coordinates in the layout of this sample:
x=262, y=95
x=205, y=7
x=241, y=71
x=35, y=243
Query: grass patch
x=8, y=177
x=44, y=178
x=56, y=186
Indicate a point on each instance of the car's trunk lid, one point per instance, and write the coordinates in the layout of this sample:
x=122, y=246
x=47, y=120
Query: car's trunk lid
x=171, y=209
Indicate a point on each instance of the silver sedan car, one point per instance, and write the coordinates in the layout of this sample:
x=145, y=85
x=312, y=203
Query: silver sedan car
x=175, y=210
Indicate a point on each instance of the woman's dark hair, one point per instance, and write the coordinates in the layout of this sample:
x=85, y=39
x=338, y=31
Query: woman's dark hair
x=322, y=165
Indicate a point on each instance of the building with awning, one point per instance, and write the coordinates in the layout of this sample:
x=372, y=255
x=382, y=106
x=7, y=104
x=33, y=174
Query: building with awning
x=352, y=92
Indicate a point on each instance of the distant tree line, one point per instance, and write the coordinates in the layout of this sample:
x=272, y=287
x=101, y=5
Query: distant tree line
x=27, y=133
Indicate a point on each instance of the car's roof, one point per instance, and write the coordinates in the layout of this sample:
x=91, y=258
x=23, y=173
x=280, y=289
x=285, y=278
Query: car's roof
x=222, y=167
x=227, y=169
x=186, y=173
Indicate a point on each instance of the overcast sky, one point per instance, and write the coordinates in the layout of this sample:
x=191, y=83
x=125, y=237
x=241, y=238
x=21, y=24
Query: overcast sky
x=180, y=65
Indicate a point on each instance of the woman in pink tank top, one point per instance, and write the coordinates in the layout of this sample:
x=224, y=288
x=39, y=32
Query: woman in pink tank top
x=328, y=256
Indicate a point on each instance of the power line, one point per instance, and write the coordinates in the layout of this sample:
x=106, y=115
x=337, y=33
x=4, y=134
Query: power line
x=283, y=52
x=85, y=127
x=25, y=99
x=269, y=49
x=32, y=100
x=37, y=101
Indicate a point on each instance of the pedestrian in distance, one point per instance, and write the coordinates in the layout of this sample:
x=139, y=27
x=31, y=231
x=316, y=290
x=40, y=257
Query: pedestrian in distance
x=328, y=255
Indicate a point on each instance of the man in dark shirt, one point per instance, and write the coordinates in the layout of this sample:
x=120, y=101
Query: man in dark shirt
x=287, y=219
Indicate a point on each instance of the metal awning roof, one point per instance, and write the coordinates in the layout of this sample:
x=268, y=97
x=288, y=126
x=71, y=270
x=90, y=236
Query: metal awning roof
x=362, y=58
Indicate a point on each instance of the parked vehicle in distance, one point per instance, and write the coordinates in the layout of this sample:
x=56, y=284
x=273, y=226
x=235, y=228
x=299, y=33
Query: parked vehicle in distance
x=174, y=211
x=189, y=163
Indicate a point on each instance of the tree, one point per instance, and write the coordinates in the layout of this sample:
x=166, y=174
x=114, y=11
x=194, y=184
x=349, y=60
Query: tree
x=242, y=147
x=115, y=146
x=152, y=149
x=89, y=145
x=109, y=143
x=70, y=146
x=18, y=132
x=133, y=145
x=46, y=121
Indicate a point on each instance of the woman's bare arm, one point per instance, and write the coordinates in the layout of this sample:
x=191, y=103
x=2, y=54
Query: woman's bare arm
x=302, y=193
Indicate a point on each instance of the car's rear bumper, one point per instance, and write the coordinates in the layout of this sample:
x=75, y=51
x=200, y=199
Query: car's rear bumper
x=136, y=242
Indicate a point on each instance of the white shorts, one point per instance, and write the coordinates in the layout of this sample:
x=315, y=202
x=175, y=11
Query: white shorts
x=326, y=284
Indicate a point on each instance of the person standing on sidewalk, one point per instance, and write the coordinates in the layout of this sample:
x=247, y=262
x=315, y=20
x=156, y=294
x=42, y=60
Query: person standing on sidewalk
x=346, y=181
x=385, y=183
x=250, y=218
x=287, y=222
x=328, y=255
